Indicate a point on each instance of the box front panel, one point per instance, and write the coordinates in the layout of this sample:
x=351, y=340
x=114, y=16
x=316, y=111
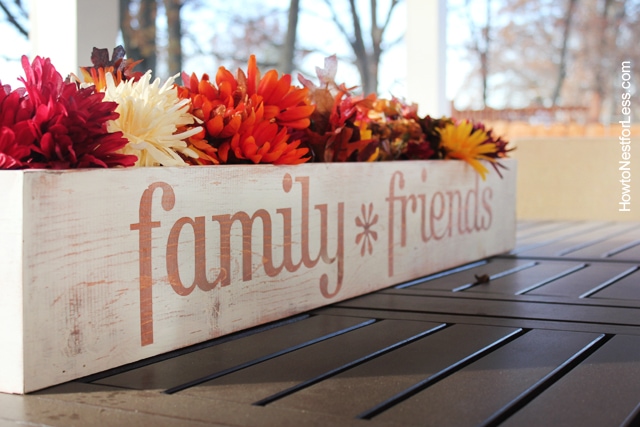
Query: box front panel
x=126, y=264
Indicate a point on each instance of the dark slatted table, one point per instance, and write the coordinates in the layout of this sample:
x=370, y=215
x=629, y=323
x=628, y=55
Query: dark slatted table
x=548, y=334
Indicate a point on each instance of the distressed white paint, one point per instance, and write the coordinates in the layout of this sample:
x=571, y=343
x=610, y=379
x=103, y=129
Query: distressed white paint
x=426, y=56
x=11, y=303
x=73, y=265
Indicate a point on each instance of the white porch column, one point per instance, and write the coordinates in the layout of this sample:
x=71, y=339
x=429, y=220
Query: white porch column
x=67, y=30
x=426, y=42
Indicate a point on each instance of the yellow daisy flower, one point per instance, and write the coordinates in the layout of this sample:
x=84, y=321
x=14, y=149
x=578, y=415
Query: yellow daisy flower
x=150, y=116
x=460, y=143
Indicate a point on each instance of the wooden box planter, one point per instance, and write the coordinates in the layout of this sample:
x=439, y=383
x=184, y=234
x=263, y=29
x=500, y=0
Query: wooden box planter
x=105, y=267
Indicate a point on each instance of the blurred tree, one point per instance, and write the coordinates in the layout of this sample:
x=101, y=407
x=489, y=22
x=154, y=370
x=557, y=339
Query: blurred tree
x=562, y=66
x=140, y=32
x=244, y=28
x=479, y=44
x=138, y=26
x=602, y=50
x=16, y=15
x=241, y=33
x=558, y=53
x=288, y=50
x=272, y=34
x=174, y=35
x=367, y=48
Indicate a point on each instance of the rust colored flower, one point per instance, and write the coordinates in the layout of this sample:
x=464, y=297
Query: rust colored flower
x=396, y=127
x=118, y=66
x=247, y=118
x=337, y=132
x=348, y=138
x=418, y=150
x=345, y=127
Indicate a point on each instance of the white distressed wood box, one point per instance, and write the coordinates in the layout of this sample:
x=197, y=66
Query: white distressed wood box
x=101, y=268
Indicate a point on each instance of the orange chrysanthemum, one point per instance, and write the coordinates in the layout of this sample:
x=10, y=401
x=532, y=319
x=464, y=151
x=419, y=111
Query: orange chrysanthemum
x=247, y=118
x=265, y=143
x=288, y=105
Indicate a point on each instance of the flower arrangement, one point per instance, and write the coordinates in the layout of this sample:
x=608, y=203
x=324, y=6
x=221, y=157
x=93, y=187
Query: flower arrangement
x=118, y=117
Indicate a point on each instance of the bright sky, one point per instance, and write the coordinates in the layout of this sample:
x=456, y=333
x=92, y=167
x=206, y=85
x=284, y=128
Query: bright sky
x=13, y=46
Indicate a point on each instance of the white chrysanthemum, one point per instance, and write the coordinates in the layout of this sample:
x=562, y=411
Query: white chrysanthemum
x=150, y=115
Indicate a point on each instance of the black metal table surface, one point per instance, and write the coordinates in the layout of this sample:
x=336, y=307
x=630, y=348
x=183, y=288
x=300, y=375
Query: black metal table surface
x=548, y=334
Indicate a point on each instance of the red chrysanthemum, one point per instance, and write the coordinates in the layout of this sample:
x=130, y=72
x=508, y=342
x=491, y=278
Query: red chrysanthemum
x=16, y=133
x=55, y=125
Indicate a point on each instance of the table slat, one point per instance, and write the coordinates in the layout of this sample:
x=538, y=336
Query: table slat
x=228, y=355
x=363, y=387
x=310, y=364
x=493, y=383
x=514, y=308
x=601, y=391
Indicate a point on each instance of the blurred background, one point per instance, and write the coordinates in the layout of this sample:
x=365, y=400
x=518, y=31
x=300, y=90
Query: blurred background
x=534, y=70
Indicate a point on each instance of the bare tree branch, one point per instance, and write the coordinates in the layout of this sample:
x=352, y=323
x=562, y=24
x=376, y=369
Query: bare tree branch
x=367, y=55
x=362, y=56
x=21, y=9
x=12, y=18
x=394, y=3
x=336, y=21
x=482, y=51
